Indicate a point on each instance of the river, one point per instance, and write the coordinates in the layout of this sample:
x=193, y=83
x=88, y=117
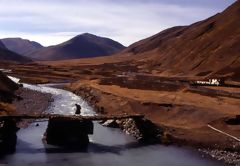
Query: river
x=108, y=147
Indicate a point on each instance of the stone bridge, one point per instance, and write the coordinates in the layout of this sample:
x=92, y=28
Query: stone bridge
x=63, y=130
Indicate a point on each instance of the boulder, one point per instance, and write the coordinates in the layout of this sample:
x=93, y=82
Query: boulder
x=68, y=133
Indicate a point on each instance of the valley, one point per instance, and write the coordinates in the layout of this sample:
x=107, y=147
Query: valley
x=184, y=80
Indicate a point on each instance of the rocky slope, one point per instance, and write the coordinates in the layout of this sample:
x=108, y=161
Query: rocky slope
x=21, y=46
x=209, y=47
x=82, y=46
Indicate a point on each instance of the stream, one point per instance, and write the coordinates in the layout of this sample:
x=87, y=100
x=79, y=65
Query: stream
x=108, y=147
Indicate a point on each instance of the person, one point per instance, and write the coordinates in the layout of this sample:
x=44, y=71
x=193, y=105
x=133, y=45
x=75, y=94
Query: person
x=78, y=109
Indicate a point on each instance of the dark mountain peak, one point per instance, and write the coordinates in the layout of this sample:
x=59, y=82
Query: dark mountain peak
x=84, y=37
x=88, y=35
x=82, y=46
x=93, y=38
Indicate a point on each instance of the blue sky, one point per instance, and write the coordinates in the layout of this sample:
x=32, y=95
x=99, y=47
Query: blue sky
x=54, y=21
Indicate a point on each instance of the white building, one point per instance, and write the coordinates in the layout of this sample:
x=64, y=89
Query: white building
x=216, y=82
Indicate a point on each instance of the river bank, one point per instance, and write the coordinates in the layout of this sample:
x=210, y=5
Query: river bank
x=107, y=146
x=30, y=102
x=210, y=143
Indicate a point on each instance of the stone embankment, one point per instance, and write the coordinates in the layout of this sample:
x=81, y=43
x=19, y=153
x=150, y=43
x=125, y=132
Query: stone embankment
x=142, y=129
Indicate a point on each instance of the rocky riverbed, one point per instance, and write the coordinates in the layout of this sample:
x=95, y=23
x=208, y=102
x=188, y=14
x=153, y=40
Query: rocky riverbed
x=30, y=101
x=231, y=158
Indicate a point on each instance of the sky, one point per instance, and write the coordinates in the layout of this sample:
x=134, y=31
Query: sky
x=51, y=22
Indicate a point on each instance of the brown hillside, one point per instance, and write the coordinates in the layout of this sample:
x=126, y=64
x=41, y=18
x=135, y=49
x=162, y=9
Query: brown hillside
x=208, y=47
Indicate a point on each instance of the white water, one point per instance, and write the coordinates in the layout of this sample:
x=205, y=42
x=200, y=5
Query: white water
x=108, y=147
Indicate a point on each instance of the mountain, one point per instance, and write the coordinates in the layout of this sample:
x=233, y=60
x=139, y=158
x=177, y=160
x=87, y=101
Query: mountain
x=81, y=46
x=206, y=48
x=7, y=55
x=21, y=46
x=2, y=46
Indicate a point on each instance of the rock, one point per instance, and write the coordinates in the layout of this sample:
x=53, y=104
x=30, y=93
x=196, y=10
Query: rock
x=8, y=136
x=68, y=133
x=142, y=129
x=110, y=123
x=229, y=157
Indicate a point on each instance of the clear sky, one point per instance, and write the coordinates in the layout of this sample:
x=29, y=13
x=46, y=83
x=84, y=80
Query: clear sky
x=51, y=22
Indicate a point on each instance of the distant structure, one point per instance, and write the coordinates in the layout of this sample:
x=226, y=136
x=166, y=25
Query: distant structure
x=211, y=82
x=78, y=109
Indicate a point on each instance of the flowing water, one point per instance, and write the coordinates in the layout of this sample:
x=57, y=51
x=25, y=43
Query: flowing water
x=108, y=147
